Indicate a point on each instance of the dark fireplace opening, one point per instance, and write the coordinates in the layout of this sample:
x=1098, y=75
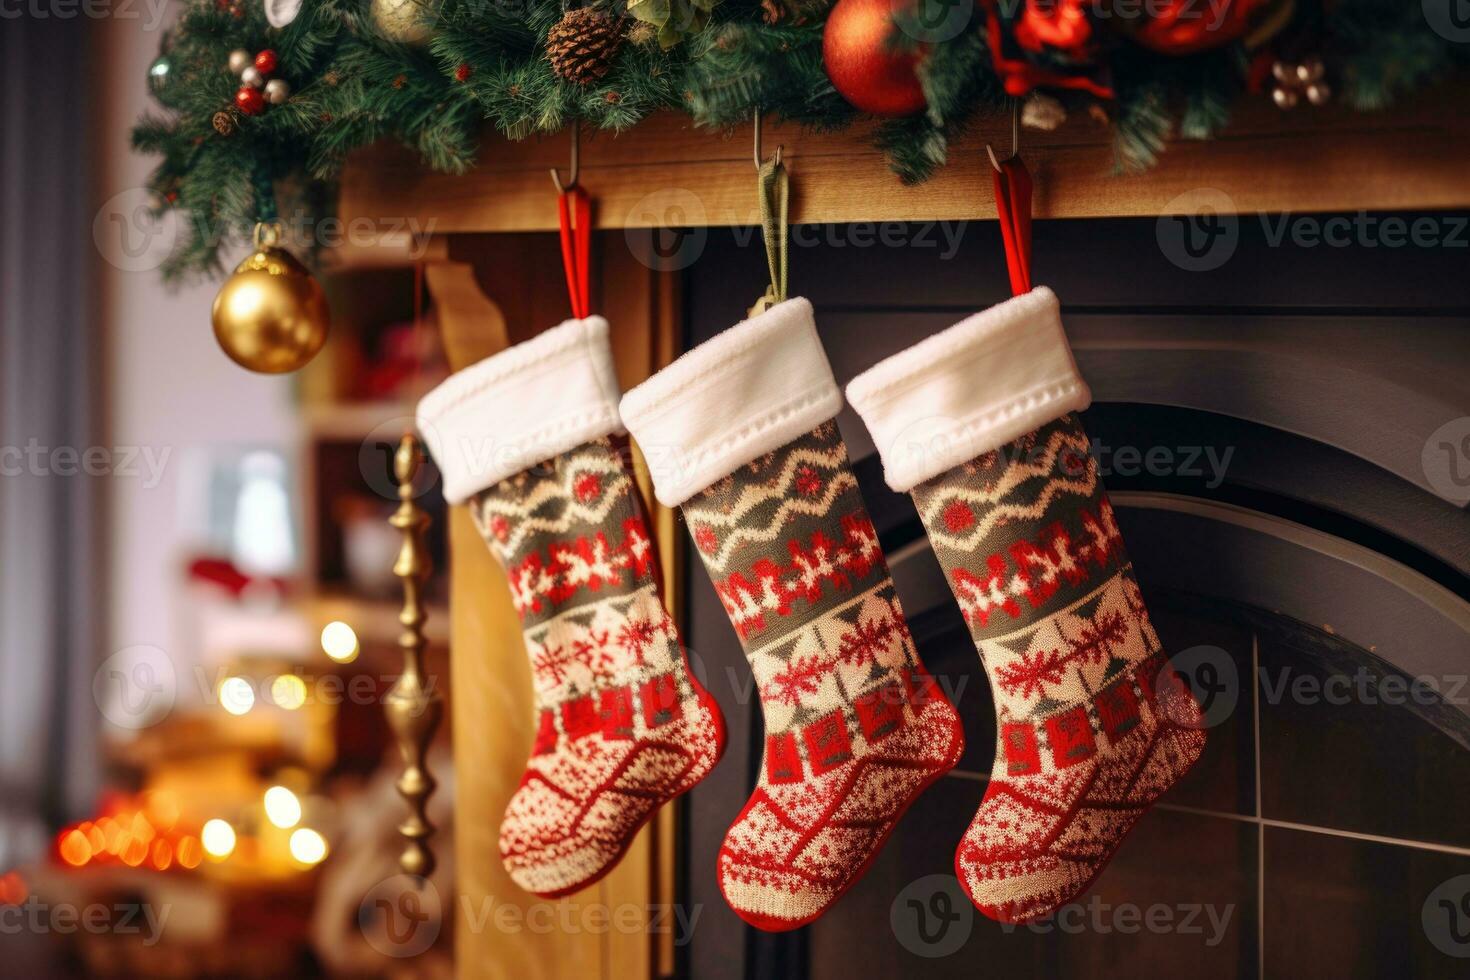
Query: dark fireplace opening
x=1266, y=431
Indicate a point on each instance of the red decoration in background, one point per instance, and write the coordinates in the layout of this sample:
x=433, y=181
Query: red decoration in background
x=249, y=101
x=223, y=573
x=863, y=66
x=265, y=62
x=1059, y=24
x=1180, y=27
x=1055, y=43
x=1069, y=67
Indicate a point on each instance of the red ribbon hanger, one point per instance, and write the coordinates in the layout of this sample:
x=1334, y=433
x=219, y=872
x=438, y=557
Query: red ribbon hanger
x=1013, y=208
x=576, y=246
x=575, y=210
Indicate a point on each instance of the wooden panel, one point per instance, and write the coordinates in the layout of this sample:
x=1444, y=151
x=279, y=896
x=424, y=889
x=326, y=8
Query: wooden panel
x=666, y=172
x=493, y=721
x=493, y=712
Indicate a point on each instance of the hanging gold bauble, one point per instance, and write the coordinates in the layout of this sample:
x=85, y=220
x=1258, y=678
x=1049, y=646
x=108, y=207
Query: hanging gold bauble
x=405, y=21
x=271, y=316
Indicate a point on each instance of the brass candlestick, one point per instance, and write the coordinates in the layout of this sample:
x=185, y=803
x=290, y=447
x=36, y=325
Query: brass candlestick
x=413, y=706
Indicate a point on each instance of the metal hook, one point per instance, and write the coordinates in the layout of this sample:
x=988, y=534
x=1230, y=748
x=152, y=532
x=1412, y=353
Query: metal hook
x=758, y=154
x=576, y=162
x=1015, y=137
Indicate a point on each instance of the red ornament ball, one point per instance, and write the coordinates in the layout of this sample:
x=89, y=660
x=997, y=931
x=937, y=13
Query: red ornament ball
x=249, y=100
x=462, y=73
x=265, y=62
x=1172, y=29
x=861, y=64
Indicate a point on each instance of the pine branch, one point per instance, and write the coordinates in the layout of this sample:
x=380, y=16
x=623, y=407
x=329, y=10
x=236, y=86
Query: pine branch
x=486, y=66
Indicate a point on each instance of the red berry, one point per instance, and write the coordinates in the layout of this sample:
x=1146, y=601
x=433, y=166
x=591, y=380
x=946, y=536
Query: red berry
x=265, y=62
x=462, y=72
x=249, y=100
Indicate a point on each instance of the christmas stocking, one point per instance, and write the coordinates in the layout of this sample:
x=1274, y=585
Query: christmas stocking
x=739, y=433
x=977, y=423
x=530, y=438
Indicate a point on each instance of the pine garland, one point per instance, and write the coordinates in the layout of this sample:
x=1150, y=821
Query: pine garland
x=486, y=67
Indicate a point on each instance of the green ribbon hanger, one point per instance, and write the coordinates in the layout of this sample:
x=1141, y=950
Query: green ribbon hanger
x=775, y=194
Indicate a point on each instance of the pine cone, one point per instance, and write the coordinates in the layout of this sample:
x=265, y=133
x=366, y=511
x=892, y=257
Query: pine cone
x=582, y=45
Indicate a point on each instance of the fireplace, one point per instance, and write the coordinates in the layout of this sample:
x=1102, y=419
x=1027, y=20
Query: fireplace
x=1282, y=437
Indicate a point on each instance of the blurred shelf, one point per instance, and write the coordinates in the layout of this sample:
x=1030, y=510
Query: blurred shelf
x=375, y=621
x=204, y=734
x=355, y=420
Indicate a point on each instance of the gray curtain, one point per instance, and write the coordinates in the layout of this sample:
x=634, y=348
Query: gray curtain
x=51, y=599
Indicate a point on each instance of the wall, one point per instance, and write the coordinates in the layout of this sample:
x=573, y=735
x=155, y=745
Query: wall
x=169, y=388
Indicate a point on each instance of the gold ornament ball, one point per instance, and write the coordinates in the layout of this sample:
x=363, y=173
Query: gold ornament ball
x=405, y=21
x=271, y=316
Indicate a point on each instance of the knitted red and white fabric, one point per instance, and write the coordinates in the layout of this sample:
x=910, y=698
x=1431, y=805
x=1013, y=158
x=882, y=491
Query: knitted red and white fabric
x=738, y=432
x=977, y=423
x=530, y=439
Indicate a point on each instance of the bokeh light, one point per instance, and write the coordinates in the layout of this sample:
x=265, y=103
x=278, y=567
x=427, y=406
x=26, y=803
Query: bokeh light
x=288, y=691
x=76, y=849
x=189, y=853
x=236, y=695
x=339, y=642
x=282, y=807
x=218, y=838
x=308, y=846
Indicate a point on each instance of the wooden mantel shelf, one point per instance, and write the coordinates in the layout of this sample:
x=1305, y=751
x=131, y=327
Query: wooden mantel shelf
x=666, y=172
